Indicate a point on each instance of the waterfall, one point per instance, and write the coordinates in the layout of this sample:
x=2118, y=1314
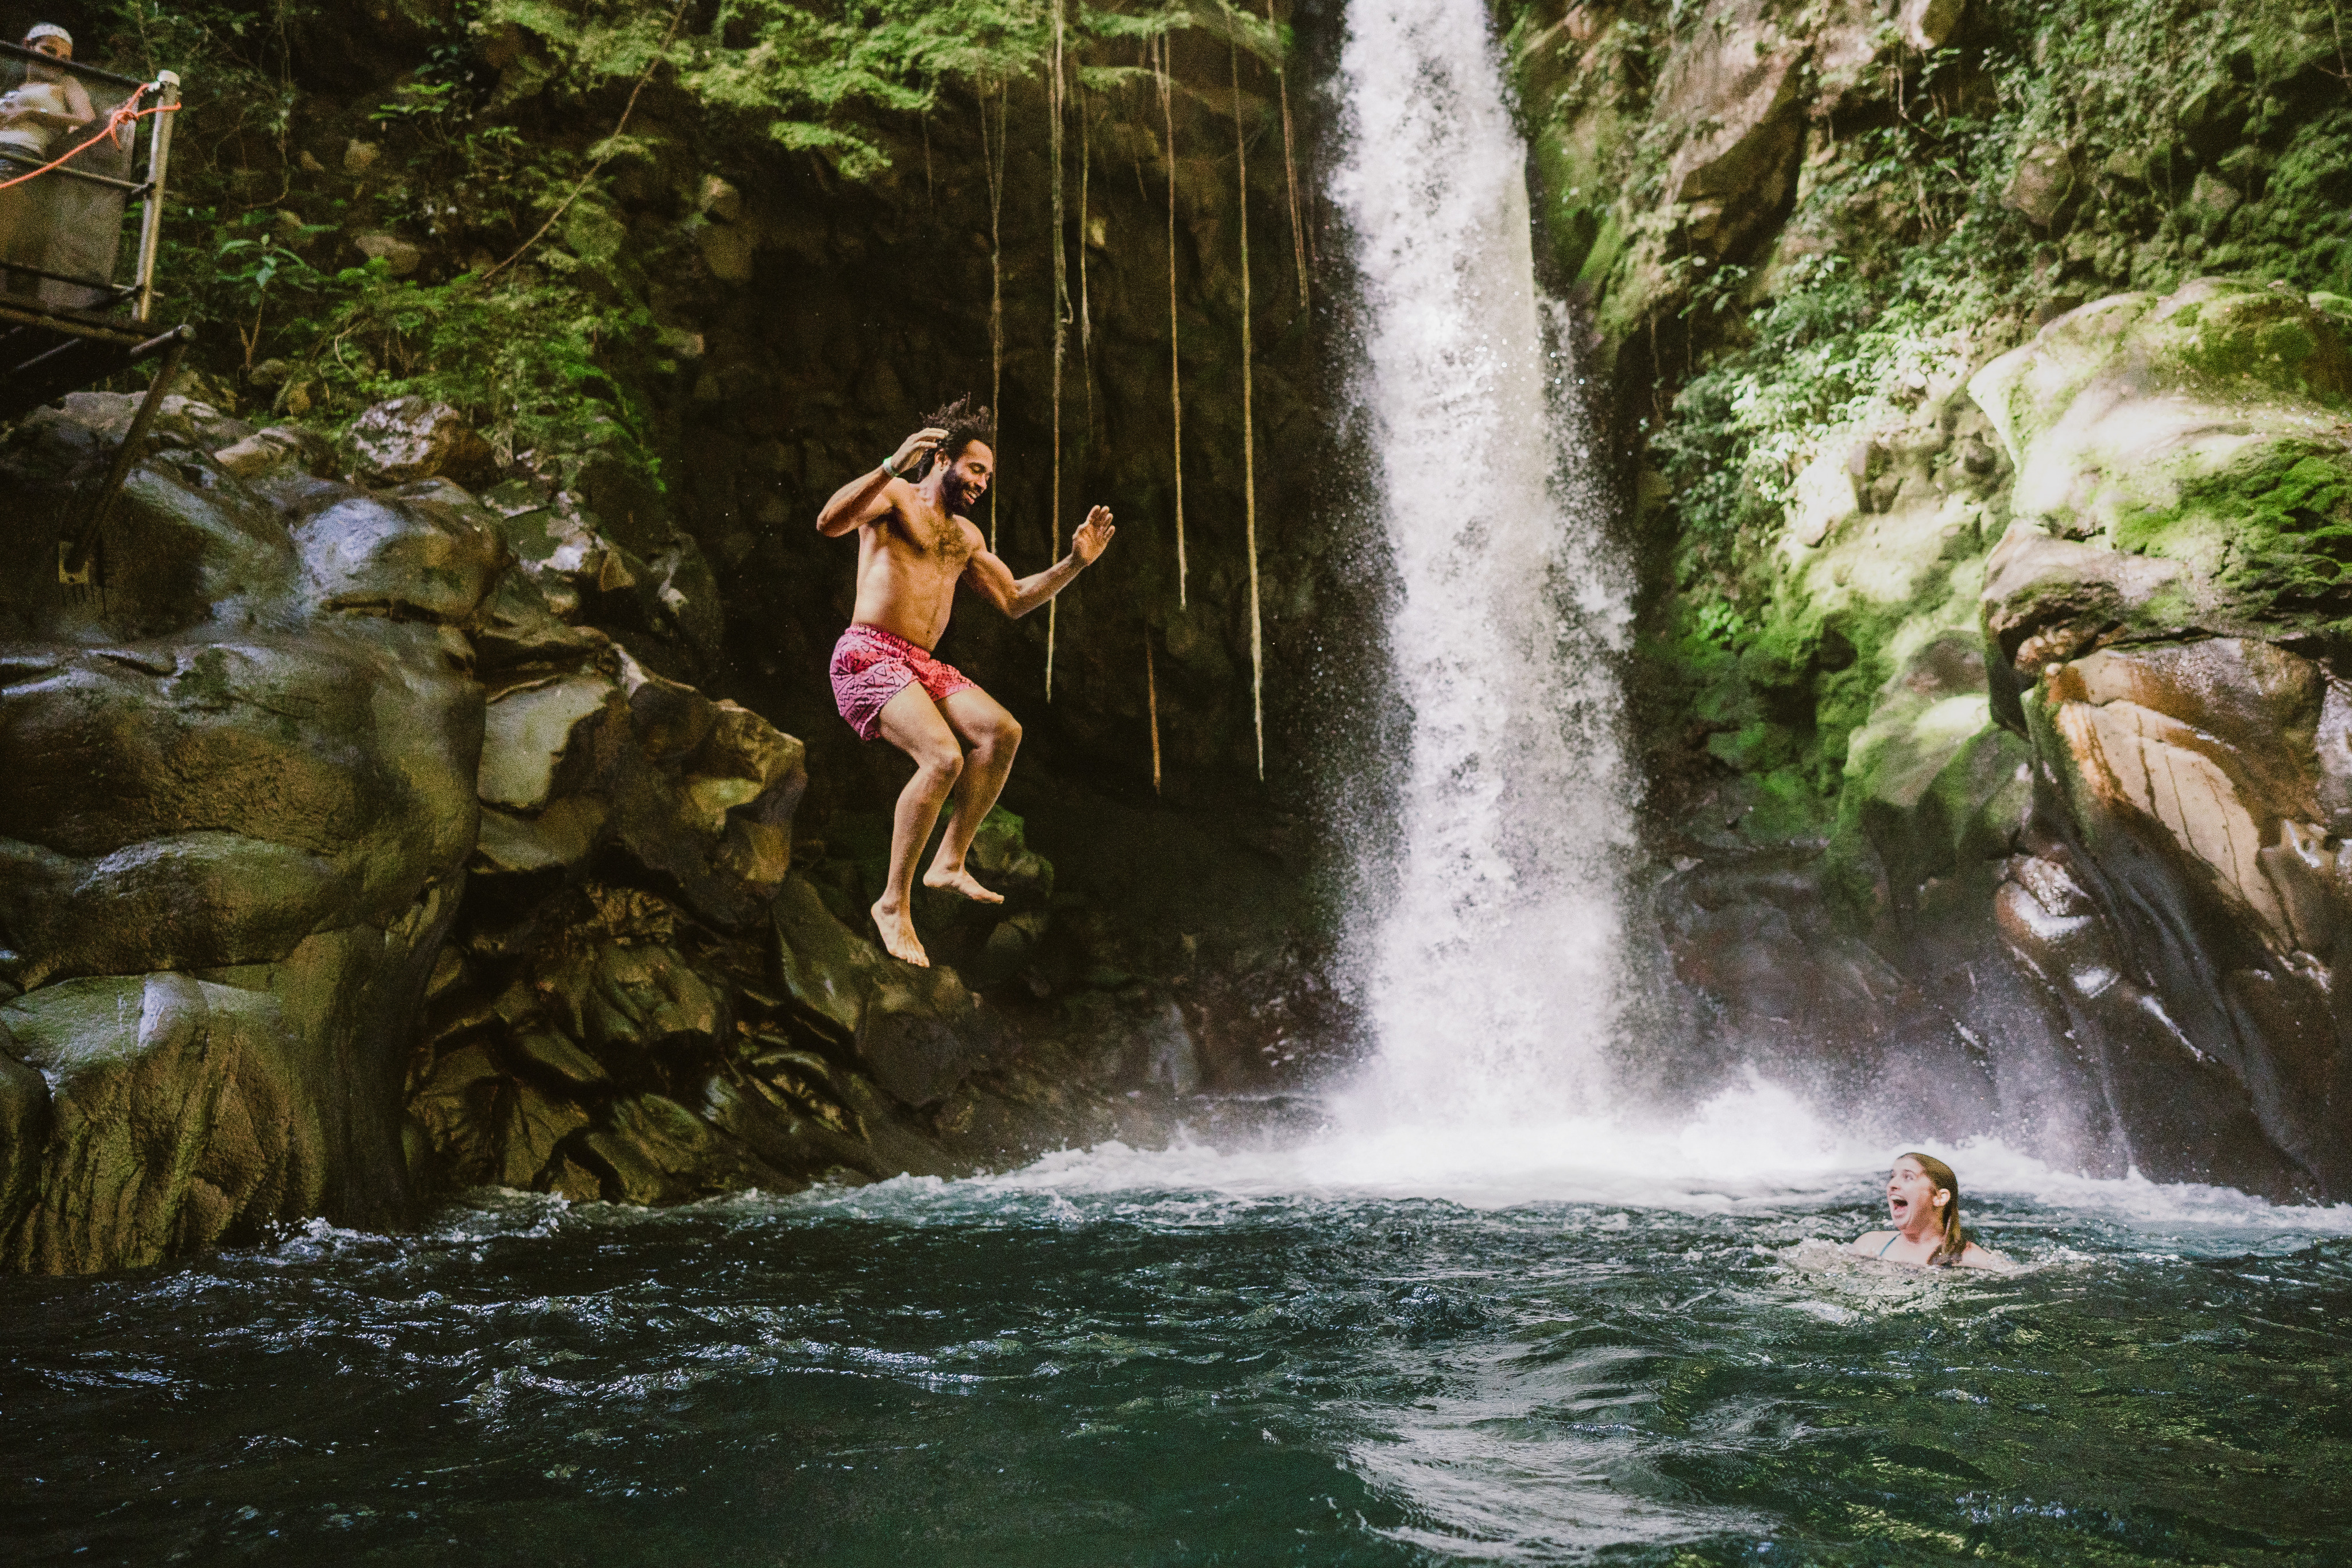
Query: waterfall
x=1492, y=977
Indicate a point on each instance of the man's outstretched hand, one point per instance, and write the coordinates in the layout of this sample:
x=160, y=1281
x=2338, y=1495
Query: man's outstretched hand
x=1093, y=536
x=924, y=439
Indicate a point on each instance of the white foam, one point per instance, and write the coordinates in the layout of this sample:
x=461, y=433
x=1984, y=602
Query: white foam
x=1755, y=1148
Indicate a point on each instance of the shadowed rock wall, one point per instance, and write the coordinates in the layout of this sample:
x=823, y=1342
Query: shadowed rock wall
x=238, y=798
x=345, y=860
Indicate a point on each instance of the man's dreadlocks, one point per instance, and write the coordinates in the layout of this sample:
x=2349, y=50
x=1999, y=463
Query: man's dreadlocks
x=964, y=425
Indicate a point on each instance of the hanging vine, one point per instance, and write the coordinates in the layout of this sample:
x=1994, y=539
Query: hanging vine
x=1053, y=97
x=1249, y=432
x=1175, y=347
x=993, y=157
x=1151, y=704
x=1290, y=169
x=1086, y=243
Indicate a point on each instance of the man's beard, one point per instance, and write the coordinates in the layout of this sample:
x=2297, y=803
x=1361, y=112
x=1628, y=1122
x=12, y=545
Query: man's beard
x=957, y=492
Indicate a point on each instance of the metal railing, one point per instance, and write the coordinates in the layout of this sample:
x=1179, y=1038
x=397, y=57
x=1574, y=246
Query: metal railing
x=66, y=189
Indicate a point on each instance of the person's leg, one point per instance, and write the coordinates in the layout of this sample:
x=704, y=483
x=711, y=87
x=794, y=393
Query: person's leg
x=912, y=723
x=993, y=735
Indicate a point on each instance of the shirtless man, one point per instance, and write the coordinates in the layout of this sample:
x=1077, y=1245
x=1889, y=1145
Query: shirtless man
x=914, y=545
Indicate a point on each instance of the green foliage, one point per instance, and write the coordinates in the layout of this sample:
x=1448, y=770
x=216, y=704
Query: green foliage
x=532, y=362
x=530, y=311
x=1722, y=625
x=2183, y=139
x=813, y=75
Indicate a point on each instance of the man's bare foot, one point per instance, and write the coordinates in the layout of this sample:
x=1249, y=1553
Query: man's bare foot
x=960, y=881
x=898, y=929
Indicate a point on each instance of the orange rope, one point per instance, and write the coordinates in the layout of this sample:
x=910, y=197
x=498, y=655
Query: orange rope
x=123, y=114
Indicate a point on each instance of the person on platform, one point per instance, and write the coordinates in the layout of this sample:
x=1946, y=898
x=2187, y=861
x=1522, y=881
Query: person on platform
x=51, y=100
x=34, y=118
x=1923, y=1198
x=914, y=544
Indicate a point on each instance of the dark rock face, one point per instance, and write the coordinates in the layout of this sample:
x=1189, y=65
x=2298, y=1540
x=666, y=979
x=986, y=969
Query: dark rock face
x=239, y=801
x=346, y=860
x=1740, y=85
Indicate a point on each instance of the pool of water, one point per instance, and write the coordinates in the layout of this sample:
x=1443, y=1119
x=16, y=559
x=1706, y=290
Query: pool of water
x=1191, y=1357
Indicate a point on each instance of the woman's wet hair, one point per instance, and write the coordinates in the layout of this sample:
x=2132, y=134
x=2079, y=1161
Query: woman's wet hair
x=964, y=425
x=1955, y=1239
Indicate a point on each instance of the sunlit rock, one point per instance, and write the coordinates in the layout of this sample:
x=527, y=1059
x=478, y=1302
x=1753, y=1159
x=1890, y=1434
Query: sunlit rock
x=2184, y=482
x=1736, y=83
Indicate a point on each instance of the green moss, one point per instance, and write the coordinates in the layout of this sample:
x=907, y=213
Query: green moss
x=2294, y=538
x=1761, y=747
x=1935, y=787
x=1787, y=804
x=2275, y=531
x=1580, y=220
x=2241, y=338
x=1603, y=256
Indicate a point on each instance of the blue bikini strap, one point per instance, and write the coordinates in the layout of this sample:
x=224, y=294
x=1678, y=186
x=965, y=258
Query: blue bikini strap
x=1890, y=1241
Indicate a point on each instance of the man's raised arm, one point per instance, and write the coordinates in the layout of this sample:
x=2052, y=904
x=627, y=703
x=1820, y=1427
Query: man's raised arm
x=1017, y=597
x=867, y=496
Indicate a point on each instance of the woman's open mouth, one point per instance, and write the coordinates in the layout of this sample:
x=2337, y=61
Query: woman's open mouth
x=1898, y=1206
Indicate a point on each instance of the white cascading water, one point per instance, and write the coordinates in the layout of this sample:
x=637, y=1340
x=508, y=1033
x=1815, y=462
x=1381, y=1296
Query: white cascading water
x=1493, y=976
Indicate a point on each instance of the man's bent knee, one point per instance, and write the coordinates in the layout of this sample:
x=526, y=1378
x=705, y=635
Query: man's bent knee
x=1003, y=739
x=940, y=769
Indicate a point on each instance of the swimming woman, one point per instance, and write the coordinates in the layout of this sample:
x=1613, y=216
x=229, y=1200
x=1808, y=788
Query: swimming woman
x=1923, y=1198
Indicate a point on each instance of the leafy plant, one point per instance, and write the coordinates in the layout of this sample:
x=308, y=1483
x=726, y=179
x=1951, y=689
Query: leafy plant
x=543, y=353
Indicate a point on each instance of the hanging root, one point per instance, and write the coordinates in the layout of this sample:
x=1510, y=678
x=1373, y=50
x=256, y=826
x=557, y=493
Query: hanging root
x=1290, y=173
x=994, y=161
x=1249, y=435
x=1175, y=352
x=1061, y=323
x=1151, y=705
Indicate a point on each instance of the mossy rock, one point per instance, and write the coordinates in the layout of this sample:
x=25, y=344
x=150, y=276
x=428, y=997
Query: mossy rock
x=2207, y=428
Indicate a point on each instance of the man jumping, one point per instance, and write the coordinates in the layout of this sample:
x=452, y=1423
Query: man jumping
x=914, y=544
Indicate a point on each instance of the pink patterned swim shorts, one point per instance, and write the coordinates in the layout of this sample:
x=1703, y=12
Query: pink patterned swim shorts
x=870, y=666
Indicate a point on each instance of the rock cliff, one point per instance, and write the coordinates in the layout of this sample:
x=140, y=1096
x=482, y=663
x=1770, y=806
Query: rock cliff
x=348, y=859
x=1980, y=376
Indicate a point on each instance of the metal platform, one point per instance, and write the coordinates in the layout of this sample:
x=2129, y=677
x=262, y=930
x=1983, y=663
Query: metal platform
x=63, y=321
x=46, y=354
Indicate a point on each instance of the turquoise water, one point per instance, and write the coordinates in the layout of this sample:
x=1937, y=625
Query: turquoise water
x=1190, y=1358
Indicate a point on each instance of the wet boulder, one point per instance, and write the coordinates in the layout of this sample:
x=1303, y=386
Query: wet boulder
x=609, y=1043
x=413, y=438
x=2190, y=778
x=280, y=446
x=2156, y=622
x=2086, y=883
x=2200, y=433
x=644, y=1003
x=238, y=803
